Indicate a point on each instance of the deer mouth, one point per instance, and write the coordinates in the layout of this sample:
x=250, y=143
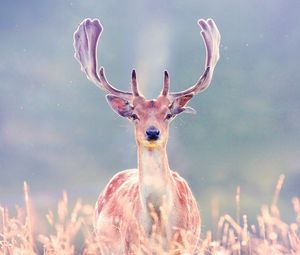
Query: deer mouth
x=151, y=144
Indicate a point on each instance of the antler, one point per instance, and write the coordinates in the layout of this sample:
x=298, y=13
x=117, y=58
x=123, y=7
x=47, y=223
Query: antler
x=165, y=90
x=85, y=45
x=134, y=84
x=211, y=37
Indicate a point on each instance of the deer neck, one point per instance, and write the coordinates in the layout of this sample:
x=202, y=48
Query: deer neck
x=153, y=167
x=155, y=181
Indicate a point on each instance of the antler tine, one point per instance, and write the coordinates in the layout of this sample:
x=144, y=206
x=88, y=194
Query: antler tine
x=166, y=86
x=134, y=84
x=111, y=89
x=211, y=37
x=85, y=44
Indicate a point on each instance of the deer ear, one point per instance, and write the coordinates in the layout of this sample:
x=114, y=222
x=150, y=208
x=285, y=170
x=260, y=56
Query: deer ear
x=120, y=105
x=179, y=105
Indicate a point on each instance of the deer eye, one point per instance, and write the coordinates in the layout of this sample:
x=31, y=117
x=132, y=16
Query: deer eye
x=168, y=116
x=134, y=117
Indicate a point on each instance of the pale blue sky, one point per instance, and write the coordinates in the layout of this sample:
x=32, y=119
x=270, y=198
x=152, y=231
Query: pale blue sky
x=58, y=133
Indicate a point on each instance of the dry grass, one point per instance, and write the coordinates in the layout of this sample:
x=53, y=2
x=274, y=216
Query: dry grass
x=71, y=232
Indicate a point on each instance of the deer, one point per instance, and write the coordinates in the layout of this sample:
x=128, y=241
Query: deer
x=151, y=200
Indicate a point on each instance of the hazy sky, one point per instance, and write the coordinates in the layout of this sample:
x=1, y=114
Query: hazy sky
x=58, y=133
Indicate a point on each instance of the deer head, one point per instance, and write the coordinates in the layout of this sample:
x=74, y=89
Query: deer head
x=150, y=117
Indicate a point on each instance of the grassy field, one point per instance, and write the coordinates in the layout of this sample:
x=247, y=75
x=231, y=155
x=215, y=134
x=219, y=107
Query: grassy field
x=70, y=231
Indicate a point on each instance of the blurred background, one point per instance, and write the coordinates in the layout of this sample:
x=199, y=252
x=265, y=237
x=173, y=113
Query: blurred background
x=58, y=133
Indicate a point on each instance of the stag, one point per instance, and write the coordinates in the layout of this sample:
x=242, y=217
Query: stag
x=141, y=208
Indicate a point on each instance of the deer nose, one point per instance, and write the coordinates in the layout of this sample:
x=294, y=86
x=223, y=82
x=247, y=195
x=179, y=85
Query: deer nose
x=152, y=133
